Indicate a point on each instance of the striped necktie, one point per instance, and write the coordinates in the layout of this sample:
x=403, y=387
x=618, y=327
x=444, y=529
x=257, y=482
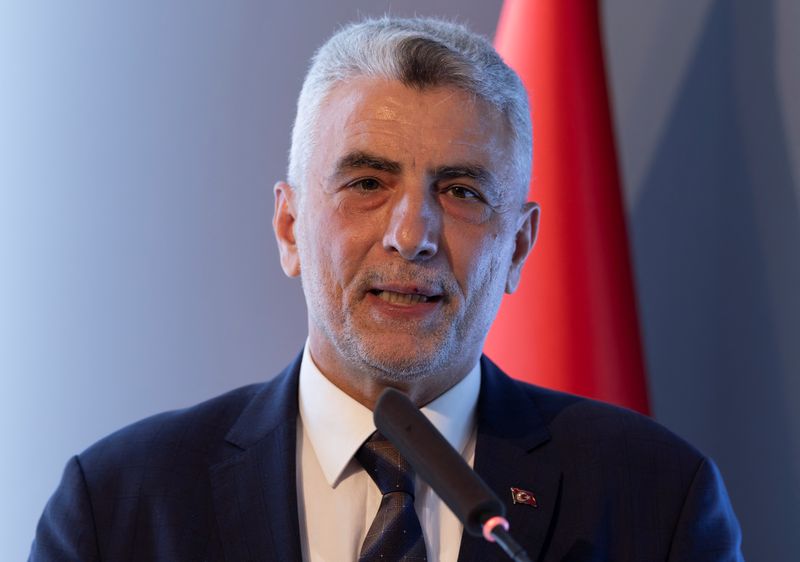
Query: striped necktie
x=395, y=534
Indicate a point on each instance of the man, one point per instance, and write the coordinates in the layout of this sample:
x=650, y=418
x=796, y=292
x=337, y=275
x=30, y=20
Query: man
x=405, y=217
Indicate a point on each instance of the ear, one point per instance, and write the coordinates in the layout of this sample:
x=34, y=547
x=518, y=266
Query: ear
x=524, y=241
x=283, y=223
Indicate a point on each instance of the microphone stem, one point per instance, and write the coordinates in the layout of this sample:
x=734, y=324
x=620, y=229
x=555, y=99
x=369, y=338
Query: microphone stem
x=509, y=545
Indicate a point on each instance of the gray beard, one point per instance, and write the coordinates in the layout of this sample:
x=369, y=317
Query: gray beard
x=392, y=367
x=396, y=368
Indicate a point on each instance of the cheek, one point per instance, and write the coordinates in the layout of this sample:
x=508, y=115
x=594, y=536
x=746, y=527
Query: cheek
x=480, y=262
x=333, y=244
x=471, y=259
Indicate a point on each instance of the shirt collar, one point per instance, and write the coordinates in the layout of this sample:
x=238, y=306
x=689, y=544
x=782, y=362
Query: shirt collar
x=337, y=425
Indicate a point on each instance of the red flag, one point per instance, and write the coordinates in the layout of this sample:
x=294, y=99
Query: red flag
x=572, y=323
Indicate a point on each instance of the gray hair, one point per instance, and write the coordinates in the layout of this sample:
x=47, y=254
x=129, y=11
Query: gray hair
x=420, y=53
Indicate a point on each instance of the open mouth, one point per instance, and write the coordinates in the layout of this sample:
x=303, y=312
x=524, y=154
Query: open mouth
x=404, y=299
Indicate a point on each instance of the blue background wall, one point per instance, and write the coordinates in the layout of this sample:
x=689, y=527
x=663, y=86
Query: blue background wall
x=138, y=147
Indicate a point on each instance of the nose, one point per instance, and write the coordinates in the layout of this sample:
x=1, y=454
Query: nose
x=414, y=227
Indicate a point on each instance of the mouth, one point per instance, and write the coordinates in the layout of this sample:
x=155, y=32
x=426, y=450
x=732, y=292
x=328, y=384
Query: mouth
x=405, y=298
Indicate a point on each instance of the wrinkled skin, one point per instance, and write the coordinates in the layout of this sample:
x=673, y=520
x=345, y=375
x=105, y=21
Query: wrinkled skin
x=406, y=231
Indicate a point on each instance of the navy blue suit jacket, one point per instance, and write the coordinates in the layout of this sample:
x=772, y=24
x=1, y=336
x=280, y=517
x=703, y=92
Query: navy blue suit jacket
x=217, y=482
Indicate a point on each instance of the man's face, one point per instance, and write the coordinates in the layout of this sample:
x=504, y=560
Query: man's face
x=406, y=231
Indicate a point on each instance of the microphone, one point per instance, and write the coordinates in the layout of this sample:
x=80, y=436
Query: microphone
x=435, y=460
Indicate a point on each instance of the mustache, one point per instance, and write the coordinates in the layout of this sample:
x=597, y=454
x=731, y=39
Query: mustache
x=430, y=281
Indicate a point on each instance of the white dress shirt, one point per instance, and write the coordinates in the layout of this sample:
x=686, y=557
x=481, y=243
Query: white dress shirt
x=337, y=500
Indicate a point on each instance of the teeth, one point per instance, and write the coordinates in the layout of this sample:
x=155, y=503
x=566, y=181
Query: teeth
x=402, y=298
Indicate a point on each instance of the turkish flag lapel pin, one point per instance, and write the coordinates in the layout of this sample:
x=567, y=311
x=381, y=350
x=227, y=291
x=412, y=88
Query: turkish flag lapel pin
x=518, y=495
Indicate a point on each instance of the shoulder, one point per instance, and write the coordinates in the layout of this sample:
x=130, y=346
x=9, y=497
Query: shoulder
x=155, y=475
x=201, y=434
x=585, y=432
x=586, y=417
x=119, y=486
x=624, y=466
x=602, y=430
x=185, y=436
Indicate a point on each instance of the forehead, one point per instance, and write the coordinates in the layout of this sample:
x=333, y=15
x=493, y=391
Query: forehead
x=421, y=128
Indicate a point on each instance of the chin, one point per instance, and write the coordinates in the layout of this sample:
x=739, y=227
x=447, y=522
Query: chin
x=404, y=363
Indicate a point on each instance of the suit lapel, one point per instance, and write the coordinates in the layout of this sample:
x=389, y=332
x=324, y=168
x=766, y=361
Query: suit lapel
x=511, y=451
x=254, y=488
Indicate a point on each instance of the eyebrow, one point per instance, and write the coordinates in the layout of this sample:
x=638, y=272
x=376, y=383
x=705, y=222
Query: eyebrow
x=473, y=171
x=361, y=159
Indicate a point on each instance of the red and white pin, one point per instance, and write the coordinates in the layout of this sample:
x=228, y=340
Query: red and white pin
x=518, y=495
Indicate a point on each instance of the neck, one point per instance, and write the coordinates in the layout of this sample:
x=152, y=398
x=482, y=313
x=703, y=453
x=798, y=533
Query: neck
x=365, y=383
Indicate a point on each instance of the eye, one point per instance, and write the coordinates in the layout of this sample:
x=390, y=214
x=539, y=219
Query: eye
x=463, y=192
x=365, y=184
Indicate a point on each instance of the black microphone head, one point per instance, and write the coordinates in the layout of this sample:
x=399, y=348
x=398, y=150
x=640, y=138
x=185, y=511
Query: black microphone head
x=435, y=460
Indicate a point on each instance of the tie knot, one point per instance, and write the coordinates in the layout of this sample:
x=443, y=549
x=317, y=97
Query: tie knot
x=383, y=462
